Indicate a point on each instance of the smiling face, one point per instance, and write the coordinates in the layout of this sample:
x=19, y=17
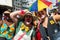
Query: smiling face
x=28, y=19
x=41, y=14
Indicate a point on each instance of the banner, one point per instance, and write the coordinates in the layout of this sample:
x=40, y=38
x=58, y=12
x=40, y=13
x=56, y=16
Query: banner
x=6, y=2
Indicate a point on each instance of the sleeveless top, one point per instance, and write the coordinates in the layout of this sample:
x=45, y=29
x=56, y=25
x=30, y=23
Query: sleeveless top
x=7, y=32
x=22, y=35
x=52, y=28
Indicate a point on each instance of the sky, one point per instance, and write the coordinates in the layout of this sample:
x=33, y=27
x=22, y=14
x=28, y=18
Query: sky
x=53, y=1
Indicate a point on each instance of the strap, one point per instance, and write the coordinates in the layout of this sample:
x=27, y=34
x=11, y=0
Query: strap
x=21, y=36
x=38, y=26
x=18, y=27
x=18, y=36
x=31, y=31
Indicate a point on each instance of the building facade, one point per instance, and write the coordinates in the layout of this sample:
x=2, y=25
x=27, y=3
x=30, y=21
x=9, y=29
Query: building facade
x=22, y=4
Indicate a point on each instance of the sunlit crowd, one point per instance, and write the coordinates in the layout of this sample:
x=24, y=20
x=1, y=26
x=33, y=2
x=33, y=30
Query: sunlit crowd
x=26, y=25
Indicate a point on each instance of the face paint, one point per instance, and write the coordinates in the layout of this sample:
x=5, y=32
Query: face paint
x=28, y=19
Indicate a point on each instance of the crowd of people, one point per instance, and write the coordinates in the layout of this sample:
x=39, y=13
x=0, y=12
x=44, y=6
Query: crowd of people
x=25, y=25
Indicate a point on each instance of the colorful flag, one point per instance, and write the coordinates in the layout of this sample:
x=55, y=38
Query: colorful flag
x=38, y=5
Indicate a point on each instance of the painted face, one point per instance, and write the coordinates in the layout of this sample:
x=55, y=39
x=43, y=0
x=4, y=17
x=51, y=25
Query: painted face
x=39, y=14
x=28, y=19
x=42, y=14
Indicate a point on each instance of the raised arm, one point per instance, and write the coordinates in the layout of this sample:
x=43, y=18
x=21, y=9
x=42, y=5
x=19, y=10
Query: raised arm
x=15, y=13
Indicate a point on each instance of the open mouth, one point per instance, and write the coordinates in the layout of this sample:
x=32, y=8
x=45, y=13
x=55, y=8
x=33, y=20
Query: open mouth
x=27, y=22
x=28, y=19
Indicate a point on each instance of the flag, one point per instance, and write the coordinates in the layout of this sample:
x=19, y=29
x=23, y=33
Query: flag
x=38, y=5
x=51, y=6
x=34, y=6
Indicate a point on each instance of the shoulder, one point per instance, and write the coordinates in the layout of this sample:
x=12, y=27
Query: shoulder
x=56, y=17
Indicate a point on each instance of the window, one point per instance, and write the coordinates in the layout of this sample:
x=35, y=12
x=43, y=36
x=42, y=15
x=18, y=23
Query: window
x=24, y=0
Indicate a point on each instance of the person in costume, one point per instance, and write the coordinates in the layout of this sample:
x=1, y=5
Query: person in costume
x=7, y=28
x=48, y=26
x=25, y=28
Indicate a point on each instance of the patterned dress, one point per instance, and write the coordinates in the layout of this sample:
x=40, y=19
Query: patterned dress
x=7, y=32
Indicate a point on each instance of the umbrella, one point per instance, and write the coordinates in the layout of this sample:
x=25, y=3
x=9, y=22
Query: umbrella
x=38, y=5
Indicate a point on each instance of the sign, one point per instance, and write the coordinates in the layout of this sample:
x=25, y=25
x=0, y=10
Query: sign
x=6, y=2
